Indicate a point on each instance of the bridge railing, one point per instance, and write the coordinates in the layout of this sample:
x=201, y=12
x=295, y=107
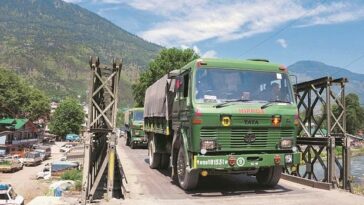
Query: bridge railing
x=322, y=136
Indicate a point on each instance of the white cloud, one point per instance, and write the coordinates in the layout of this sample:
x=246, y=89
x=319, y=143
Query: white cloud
x=191, y=21
x=207, y=54
x=282, y=42
x=210, y=54
x=196, y=49
x=184, y=46
x=335, y=17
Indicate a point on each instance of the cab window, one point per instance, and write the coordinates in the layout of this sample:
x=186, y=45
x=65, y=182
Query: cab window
x=185, y=85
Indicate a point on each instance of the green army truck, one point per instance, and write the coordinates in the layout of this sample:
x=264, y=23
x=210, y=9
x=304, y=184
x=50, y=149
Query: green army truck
x=133, y=120
x=215, y=117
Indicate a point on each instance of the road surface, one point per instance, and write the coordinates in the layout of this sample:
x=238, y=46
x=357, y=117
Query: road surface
x=149, y=186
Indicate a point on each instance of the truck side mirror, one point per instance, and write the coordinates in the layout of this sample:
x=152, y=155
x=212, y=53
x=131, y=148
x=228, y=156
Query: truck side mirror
x=293, y=79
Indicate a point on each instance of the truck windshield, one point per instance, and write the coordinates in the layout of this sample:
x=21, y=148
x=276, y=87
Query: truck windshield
x=138, y=116
x=218, y=85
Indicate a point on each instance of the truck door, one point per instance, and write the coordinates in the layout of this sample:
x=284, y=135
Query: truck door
x=181, y=106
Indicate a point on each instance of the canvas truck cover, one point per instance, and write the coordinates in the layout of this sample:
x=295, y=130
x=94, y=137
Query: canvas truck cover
x=157, y=96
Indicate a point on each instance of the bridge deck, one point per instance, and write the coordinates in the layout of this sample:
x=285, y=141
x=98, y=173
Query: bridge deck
x=149, y=186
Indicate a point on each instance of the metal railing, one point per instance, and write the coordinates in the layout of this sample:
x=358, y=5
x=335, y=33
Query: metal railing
x=322, y=132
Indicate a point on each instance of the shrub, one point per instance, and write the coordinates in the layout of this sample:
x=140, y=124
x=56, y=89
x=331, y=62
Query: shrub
x=74, y=174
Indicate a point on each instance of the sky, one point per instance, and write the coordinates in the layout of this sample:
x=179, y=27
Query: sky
x=283, y=31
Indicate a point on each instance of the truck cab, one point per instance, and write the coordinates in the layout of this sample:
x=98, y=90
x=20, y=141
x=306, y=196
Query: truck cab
x=223, y=117
x=134, y=123
x=8, y=195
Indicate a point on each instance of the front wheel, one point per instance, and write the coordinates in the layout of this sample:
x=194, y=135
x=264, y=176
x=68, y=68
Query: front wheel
x=165, y=161
x=187, y=180
x=127, y=141
x=269, y=176
x=154, y=158
x=133, y=145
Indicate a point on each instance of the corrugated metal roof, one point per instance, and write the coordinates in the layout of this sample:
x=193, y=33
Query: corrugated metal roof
x=7, y=121
x=19, y=123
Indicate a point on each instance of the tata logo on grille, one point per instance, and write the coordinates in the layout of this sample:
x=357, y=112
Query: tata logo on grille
x=249, y=138
x=251, y=122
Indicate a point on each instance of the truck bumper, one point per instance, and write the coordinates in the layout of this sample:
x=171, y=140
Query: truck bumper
x=139, y=140
x=244, y=161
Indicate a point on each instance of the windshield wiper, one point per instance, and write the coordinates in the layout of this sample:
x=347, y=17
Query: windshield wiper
x=230, y=101
x=273, y=102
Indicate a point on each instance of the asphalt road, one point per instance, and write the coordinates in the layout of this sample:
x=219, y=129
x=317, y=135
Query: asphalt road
x=149, y=186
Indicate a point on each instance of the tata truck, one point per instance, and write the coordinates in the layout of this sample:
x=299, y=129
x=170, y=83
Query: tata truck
x=133, y=120
x=219, y=117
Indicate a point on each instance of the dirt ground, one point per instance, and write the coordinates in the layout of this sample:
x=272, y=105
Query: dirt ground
x=24, y=181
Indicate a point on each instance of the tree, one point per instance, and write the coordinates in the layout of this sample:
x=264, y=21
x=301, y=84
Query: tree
x=120, y=119
x=67, y=118
x=19, y=99
x=354, y=113
x=167, y=60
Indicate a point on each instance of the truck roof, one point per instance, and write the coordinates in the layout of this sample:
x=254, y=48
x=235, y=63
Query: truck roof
x=253, y=64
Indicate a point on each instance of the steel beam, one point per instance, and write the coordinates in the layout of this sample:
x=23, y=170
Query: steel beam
x=315, y=101
x=100, y=138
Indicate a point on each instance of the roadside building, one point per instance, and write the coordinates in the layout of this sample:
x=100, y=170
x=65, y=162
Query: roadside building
x=17, y=135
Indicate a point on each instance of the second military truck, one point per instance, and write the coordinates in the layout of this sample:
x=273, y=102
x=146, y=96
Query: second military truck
x=215, y=117
x=134, y=132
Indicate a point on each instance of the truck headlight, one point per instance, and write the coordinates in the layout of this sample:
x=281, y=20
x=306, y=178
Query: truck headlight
x=208, y=144
x=286, y=143
x=288, y=158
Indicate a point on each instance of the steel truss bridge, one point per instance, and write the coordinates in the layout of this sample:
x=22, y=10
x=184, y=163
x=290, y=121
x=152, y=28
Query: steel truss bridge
x=322, y=135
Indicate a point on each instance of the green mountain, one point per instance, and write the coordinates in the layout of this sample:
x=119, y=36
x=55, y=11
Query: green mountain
x=309, y=70
x=50, y=41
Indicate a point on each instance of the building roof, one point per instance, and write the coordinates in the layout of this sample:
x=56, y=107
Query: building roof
x=13, y=123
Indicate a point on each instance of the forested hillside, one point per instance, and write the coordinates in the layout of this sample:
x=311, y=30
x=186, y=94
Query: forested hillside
x=50, y=41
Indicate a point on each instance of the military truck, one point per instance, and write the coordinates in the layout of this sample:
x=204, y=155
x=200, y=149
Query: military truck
x=216, y=116
x=133, y=120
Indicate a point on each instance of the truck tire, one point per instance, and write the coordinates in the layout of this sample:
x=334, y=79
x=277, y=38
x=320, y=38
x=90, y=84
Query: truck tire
x=154, y=158
x=187, y=180
x=132, y=145
x=127, y=140
x=269, y=176
x=165, y=161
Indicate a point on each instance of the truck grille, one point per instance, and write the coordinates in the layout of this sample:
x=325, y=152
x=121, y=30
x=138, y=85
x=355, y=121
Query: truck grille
x=233, y=138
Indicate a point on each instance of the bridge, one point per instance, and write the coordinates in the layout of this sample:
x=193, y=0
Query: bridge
x=114, y=171
x=146, y=186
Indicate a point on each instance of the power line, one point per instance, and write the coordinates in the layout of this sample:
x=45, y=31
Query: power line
x=355, y=60
x=277, y=32
x=350, y=63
